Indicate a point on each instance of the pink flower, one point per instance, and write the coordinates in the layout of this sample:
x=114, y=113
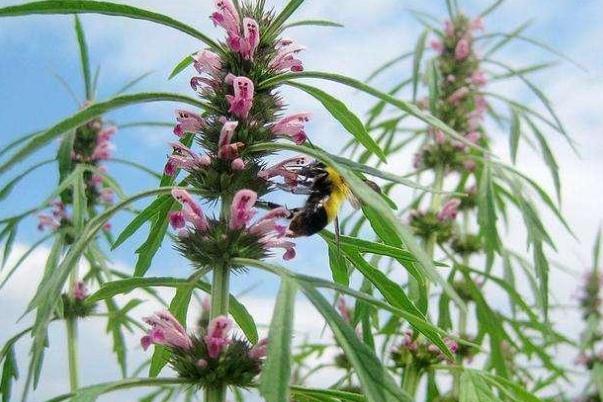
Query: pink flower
x=477, y=24
x=241, y=209
x=286, y=169
x=285, y=58
x=478, y=78
x=448, y=28
x=259, y=350
x=439, y=137
x=462, y=49
x=473, y=136
x=241, y=102
x=251, y=38
x=437, y=46
x=344, y=310
x=449, y=210
x=48, y=222
x=80, y=291
x=452, y=345
x=188, y=122
x=469, y=165
x=103, y=148
x=237, y=164
x=184, y=158
x=292, y=126
x=191, y=210
x=227, y=16
x=408, y=342
x=177, y=220
x=457, y=96
x=106, y=195
x=226, y=150
x=207, y=62
x=275, y=242
x=165, y=330
x=217, y=335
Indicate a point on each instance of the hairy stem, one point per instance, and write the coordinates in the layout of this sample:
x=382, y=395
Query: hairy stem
x=72, y=347
x=220, y=293
x=72, y=339
x=411, y=379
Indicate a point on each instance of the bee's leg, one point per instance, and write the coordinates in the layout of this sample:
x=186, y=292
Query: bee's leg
x=336, y=223
x=295, y=190
x=273, y=205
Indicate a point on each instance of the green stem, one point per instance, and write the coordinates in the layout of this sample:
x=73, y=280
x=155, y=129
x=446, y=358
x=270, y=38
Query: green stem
x=220, y=294
x=72, y=340
x=411, y=379
x=72, y=347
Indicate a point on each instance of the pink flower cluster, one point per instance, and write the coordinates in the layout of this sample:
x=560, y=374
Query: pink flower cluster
x=243, y=37
x=167, y=331
x=271, y=234
x=53, y=221
x=80, y=291
x=449, y=210
x=104, y=148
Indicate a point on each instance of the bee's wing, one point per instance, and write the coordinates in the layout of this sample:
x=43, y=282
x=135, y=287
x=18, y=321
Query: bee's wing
x=354, y=201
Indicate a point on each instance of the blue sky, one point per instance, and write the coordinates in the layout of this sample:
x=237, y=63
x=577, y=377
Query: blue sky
x=35, y=48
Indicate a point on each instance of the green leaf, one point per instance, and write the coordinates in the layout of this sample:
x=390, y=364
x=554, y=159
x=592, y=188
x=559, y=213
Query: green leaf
x=318, y=23
x=420, y=324
x=145, y=215
x=8, y=187
x=122, y=286
x=339, y=266
x=598, y=378
x=597, y=250
x=93, y=392
x=377, y=384
x=179, y=308
x=9, y=373
x=475, y=389
x=87, y=114
x=181, y=66
x=64, y=154
x=276, y=372
x=367, y=195
x=402, y=105
x=515, y=132
x=283, y=16
x=342, y=114
x=388, y=65
x=328, y=394
x=23, y=258
x=548, y=157
x=416, y=64
x=486, y=215
x=105, y=8
x=84, y=58
x=131, y=83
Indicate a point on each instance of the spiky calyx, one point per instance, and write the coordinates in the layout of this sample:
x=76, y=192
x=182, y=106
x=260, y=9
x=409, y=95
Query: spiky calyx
x=426, y=224
x=233, y=367
x=218, y=245
x=74, y=308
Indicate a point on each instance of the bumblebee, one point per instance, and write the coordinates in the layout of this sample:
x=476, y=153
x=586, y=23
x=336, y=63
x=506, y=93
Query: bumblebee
x=327, y=191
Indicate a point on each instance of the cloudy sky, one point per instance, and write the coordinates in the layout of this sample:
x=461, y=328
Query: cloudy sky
x=35, y=49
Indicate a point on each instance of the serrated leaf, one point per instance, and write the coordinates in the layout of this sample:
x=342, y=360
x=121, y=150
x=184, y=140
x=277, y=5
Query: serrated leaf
x=342, y=114
x=377, y=384
x=106, y=8
x=84, y=58
x=88, y=113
